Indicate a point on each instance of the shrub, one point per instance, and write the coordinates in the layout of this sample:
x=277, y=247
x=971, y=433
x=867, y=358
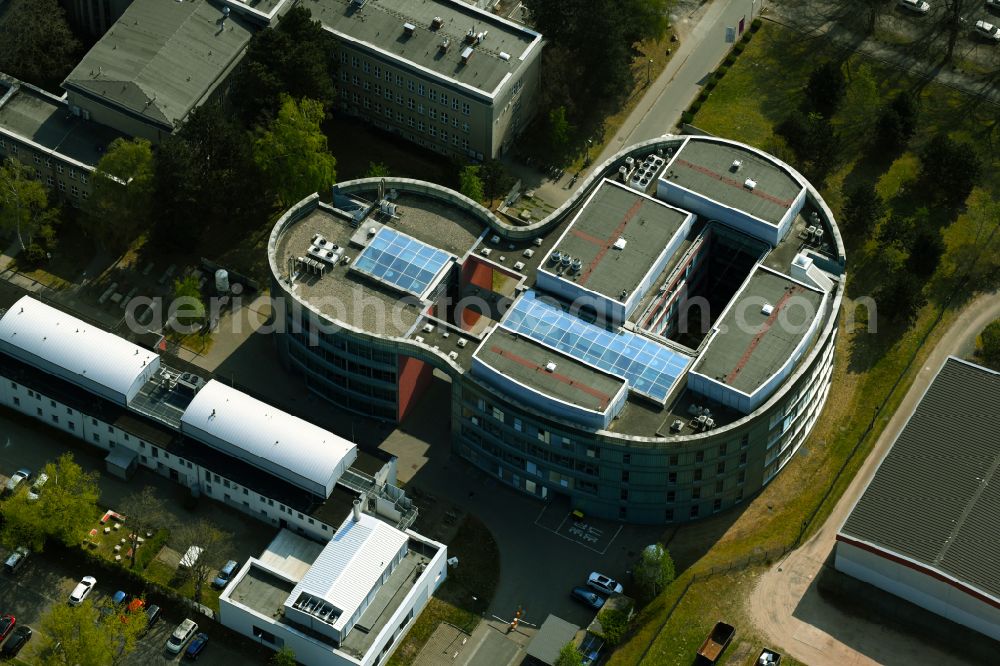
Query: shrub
x=738, y=47
x=755, y=25
x=711, y=83
x=719, y=73
x=145, y=554
x=730, y=60
x=34, y=255
x=687, y=117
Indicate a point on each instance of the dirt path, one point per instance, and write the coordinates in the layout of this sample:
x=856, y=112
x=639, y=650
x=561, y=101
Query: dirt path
x=785, y=605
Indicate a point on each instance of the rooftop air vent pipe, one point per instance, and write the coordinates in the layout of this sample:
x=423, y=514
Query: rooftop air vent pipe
x=357, y=511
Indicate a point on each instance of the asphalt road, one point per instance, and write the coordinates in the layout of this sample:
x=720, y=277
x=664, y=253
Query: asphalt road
x=785, y=594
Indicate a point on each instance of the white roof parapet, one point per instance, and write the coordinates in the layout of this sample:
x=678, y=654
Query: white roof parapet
x=76, y=351
x=350, y=567
x=264, y=436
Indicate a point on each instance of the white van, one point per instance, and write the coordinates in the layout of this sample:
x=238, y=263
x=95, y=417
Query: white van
x=182, y=634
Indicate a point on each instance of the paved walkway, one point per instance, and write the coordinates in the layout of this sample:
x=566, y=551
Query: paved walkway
x=785, y=594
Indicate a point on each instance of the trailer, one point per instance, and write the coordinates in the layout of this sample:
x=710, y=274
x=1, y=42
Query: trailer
x=716, y=643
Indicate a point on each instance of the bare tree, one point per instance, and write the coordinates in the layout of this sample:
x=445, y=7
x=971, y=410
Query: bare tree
x=145, y=513
x=953, y=22
x=211, y=540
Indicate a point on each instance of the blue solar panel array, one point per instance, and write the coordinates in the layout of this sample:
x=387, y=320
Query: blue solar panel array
x=401, y=261
x=649, y=367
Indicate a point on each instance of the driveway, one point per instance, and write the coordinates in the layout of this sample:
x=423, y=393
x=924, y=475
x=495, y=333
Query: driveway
x=786, y=594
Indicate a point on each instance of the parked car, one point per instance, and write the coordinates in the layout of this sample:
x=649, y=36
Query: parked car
x=7, y=623
x=17, y=478
x=588, y=596
x=993, y=4
x=225, y=573
x=987, y=30
x=36, y=487
x=152, y=615
x=916, y=6
x=120, y=597
x=16, y=559
x=20, y=636
x=196, y=647
x=604, y=584
x=182, y=634
x=81, y=590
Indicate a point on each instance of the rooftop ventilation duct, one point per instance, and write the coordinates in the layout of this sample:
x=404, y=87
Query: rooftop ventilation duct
x=750, y=183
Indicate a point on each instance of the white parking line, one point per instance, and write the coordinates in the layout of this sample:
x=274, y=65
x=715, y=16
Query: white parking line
x=584, y=531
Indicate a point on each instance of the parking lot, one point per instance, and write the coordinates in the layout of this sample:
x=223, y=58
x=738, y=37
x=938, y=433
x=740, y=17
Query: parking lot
x=48, y=578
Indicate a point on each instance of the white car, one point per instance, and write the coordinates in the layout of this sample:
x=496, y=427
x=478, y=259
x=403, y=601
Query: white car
x=987, y=31
x=993, y=4
x=36, y=487
x=81, y=590
x=604, y=584
x=17, y=478
x=182, y=634
x=916, y=6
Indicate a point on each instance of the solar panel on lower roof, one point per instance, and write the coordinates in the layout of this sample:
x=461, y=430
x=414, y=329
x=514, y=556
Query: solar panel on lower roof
x=649, y=367
x=401, y=261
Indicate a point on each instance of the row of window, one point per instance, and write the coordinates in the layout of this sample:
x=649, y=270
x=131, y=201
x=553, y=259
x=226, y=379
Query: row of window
x=422, y=90
x=12, y=149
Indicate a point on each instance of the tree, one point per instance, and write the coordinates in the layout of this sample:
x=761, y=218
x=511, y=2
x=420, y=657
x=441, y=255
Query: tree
x=146, y=513
x=873, y=10
x=38, y=45
x=495, y=179
x=901, y=296
x=862, y=99
x=207, y=181
x=90, y=634
x=655, y=569
x=925, y=253
x=292, y=153
x=377, y=170
x=24, y=202
x=122, y=197
x=825, y=89
x=813, y=140
x=569, y=656
x=211, y=540
x=863, y=210
x=953, y=22
x=470, y=184
x=559, y=130
x=187, y=308
x=68, y=501
x=614, y=623
x=949, y=170
x=989, y=344
x=283, y=657
x=897, y=123
x=295, y=58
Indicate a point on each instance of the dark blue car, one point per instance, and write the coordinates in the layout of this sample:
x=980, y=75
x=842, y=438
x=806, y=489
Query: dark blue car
x=196, y=646
x=588, y=596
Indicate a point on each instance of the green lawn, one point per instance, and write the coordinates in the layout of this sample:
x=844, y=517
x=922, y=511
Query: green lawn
x=758, y=92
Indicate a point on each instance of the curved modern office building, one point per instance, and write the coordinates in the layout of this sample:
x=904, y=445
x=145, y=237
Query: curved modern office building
x=656, y=349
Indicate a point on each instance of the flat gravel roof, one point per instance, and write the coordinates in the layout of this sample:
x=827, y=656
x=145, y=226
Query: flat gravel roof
x=751, y=346
x=705, y=167
x=614, y=213
x=935, y=498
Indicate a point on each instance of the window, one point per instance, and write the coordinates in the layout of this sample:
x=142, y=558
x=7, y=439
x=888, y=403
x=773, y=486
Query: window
x=62, y=186
x=399, y=116
x=720, y=468
x=72, y=173
x=411, y=104
x=673, y=461
x=518, y=426
x=343, y=57
x=669, y=515
x=55, y=419
x=625, y=476
x=743, y=458
x=743, y=476
x=465, y=144
x=466, y=108
x=716, y=505
x=420, y=126
x=39, y=410
x=671, y=477
x=399, y=99
x=699, y=457
x=208, y=475
x=444, y=118
x=13, y=385
x=411, y=86
x=52, y=403
x=399, y=80
x=454, y=103
x=72, y=426
x=50, y=181
x=697, y=474
x=465, y=127
x=444, y=136
x=246, y=492
x=694, y=511
x=367, y=66
x=377, y=72
x=433, y=131
x=38, y=160
x=671, y=495
x=745, y=440
x=719, y=485
x=74, y=190
x=69, y=411
x=96, y=438
x=626, y=458
x=410, y=122
x=17, y=401
x=432, y=114
x=367, y=103
x=444, y=99
x=156, y=452
x=420, y=109
x=217, y=480
x=300, y=516
x=111, y=430
x=355, y=62
x=622, y=512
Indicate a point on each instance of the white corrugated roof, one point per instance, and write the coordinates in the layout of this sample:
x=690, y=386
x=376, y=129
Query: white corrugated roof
x=267, y=437
x=74, y=349
x=351, y=565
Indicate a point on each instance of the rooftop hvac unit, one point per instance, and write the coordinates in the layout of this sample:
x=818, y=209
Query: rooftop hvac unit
x=453, y=355
x=529, y=253
x=408, y=28
x=486, y=251
x=436, y=22
x=519, y=266
x=537, y=242
x=623, y=172
x=566, y=260
x=577, y=265
x=419, y=339
x=629, y=161
x=620, y=244
x=445, y=334
x=736, y=165
x=555, y=257
x=767, y=309
x=750, y=183
x=372, y=231
x=470, y=36
x=495, y=239
x=504, y=56
x=550, y=366
x=445, y=43
x=810, y=230
x=676, y=425
x=461, y=342
x=466, y=54
x=428, y=328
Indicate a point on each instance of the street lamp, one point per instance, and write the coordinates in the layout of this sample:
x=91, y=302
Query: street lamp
x=649, y=64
